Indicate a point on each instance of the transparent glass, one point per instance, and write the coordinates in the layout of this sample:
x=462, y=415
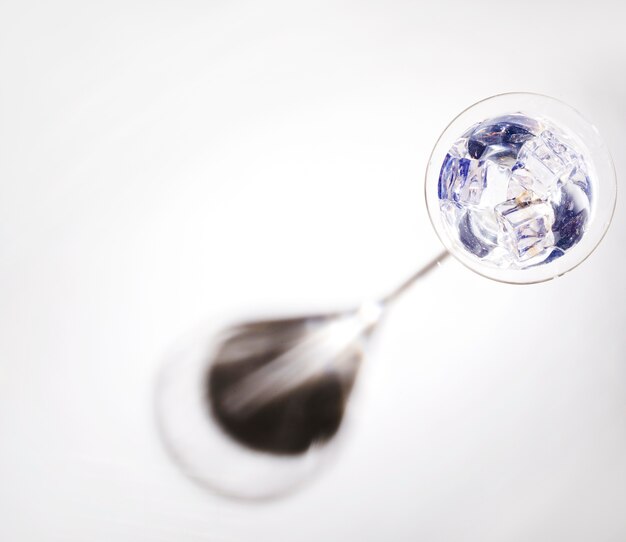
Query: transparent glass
x=253, y=410
x=586, y=139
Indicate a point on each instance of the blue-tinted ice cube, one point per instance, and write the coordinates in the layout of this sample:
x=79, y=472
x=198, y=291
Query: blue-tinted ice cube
x=470, y=182
x=473, y=182
x=461, y=180
x=446, y=176
x=499, y=142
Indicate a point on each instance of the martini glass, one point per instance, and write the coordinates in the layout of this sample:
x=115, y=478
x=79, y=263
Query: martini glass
x=520, y=188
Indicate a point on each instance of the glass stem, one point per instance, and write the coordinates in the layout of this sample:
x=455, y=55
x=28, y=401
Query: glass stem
x=420, y=273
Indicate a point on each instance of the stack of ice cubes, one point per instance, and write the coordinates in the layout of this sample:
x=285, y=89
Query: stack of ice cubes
x=515, y=192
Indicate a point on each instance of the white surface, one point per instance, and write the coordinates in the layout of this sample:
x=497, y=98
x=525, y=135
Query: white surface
x=166, y=162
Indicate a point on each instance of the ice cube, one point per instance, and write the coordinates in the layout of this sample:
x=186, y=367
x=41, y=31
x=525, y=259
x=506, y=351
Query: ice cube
x=543, y=161
x=554, y=144
x=459, y=148
x=526, y=226
x=461, y=180
x=537, y=169
x=446, y=176
x=473, y=182
x=518, y=183
x=469, y=183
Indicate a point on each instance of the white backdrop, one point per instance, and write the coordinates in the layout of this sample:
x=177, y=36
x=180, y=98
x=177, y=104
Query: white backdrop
x=162, y=163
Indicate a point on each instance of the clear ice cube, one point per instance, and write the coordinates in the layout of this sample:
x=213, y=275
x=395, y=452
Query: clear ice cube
x=459, y=149
x=543, y=161
x=469, y=182
x=527, y=226
x=518, y=183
